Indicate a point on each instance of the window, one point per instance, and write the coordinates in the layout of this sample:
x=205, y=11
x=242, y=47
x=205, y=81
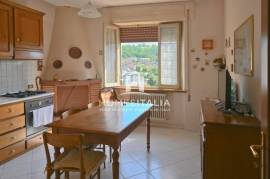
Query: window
x=139, y=62
x=148, y=55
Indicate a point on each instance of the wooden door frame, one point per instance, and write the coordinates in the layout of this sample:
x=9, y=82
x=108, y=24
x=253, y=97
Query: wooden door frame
x=265, y=82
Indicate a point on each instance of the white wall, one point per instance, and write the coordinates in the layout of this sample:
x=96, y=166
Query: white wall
x=69, y=31
x=207, y=21
x=236, y=12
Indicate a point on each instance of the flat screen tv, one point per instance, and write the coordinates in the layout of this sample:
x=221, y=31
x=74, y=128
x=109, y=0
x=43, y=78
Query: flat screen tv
x=228, y=91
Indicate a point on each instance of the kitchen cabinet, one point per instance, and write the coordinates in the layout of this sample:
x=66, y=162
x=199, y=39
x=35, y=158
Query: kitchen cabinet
x=12, y=131
x=21, y=33
x=6, y=31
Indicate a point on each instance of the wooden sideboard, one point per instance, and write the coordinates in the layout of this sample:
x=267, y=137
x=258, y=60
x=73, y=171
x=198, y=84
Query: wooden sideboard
x=225, y=144
x=72, y=94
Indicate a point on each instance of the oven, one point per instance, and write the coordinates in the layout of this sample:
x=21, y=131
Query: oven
x=31, y=105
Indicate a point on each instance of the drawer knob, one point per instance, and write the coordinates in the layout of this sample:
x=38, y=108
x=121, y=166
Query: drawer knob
x=10, y=110
x=12, y=138
x=11, y=124
x=18, y=39
x=12, y=151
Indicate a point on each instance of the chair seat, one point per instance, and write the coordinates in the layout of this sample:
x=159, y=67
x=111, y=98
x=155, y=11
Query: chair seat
x=71, y=160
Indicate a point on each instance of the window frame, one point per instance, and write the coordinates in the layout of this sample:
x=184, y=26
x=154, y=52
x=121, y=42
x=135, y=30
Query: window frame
x=166, y=88
x=179, y=54
x=118, y=52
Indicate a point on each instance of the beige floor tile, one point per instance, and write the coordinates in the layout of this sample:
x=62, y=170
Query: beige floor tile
x=174, y=154
x=142, y=176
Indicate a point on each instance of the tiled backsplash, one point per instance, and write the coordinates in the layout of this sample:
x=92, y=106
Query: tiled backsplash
x=16, y=75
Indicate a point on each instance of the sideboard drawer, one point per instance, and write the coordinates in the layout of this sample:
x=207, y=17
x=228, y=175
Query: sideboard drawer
x=11, y=151
x=12, y=137
x=11, y=124
x=11, y=110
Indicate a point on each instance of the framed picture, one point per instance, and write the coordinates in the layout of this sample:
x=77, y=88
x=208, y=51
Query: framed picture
x=207, y=44
x=244, y=48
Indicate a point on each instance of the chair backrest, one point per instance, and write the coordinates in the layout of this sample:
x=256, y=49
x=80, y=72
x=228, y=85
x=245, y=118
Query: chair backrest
x=68, y=141
x=107, y=95
x=94, y=104
x=70, y=112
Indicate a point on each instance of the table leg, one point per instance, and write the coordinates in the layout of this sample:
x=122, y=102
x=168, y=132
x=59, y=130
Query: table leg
x=56, y=154
x=115, y=164
x=148, y=132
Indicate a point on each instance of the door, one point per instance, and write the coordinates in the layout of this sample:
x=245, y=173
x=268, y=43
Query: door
x=265, y=74
x=6, y=31
x=28, y=29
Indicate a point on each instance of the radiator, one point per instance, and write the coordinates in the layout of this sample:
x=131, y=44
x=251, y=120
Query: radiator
x=160, y=102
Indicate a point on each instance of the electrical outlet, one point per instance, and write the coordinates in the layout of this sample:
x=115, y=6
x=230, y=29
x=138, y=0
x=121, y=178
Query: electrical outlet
x=30, y=86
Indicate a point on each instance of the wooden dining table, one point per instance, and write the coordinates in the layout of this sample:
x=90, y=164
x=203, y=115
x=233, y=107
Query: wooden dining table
x=108, y=124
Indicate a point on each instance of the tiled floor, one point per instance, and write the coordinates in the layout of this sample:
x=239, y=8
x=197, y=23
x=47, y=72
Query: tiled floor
x=174, y=154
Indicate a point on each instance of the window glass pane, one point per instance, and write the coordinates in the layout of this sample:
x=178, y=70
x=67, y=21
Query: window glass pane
x=111, y=56
x=169, y=35
x=139, y=64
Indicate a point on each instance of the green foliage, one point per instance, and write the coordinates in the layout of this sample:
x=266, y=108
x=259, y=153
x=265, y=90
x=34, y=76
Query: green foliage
x=144, y=56
x=140, y=50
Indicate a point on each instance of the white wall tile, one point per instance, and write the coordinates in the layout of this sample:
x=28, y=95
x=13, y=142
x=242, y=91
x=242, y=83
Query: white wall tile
x=16, y=75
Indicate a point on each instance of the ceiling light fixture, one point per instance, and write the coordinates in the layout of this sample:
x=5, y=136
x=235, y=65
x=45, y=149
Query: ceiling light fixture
x=89, y=11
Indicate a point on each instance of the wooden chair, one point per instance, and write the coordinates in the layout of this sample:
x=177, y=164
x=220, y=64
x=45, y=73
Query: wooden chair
x=74, y=158
x=94, y=104
x=70, y=112
x=106, y=95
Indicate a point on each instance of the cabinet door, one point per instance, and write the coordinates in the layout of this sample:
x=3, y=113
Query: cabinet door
x=6, y=31
x=28, y=29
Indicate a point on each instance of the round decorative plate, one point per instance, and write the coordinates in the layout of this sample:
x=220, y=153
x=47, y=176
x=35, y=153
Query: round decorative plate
x=57, y=64
x=87, y=64
x=75, y=52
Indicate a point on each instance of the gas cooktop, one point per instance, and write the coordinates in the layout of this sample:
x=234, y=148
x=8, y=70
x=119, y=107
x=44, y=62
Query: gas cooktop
x=23, y=94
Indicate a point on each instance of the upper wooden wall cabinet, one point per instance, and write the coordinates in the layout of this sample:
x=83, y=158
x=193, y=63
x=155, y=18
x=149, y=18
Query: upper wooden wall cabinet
x=21, y=32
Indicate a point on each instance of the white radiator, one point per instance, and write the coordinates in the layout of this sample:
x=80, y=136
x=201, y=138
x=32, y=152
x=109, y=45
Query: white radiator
x=160, y=102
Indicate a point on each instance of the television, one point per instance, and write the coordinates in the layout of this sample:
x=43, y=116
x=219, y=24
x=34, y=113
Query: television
x=227, y=91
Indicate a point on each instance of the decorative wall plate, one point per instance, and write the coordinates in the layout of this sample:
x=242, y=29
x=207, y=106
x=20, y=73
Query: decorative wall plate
x=88, y=64
x=75, y=52
x=57, y=64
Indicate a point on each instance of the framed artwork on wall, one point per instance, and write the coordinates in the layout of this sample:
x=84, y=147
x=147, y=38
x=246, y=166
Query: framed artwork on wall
x=244, y=48
x=207, y=44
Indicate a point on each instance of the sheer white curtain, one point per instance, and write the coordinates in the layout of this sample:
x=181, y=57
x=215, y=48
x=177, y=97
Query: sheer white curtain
x=170, y=55
x=111, y=56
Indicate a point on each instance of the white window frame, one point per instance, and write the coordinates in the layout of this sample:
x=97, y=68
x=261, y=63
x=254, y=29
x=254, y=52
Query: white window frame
x=179, y=55
x=118, y=65
x=179, y=84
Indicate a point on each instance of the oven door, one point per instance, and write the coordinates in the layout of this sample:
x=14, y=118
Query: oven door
x=30, y=130
x=33, y=105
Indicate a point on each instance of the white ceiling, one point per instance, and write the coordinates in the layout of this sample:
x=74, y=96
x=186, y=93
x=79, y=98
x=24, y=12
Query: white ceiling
x=105, y=3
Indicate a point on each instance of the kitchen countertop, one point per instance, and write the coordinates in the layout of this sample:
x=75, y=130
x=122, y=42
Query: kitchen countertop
x=8, y=100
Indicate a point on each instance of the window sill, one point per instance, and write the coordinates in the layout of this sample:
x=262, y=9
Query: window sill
x=153, y=90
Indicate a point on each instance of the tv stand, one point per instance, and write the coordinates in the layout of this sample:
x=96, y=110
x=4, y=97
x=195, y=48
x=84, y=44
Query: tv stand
x=225, y=142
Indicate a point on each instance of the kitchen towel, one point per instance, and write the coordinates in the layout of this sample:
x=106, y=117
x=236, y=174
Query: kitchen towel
x=43, y=116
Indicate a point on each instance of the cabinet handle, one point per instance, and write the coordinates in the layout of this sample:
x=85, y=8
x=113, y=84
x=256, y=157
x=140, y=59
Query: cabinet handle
x=18, y=39
x=11, y=124
x=255, y=150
